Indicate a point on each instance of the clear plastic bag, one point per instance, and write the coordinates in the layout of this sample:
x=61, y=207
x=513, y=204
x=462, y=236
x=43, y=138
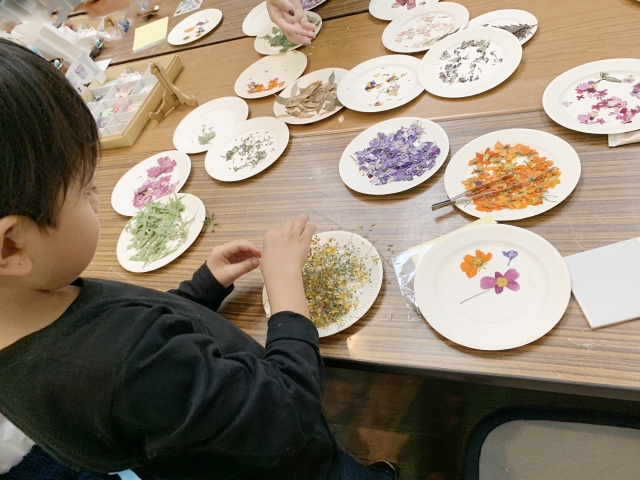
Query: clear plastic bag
x=624, y=138
x=406, y=264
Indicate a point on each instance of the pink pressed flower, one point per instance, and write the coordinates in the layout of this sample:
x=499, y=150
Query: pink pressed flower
x=501, y=281
x=165, y=165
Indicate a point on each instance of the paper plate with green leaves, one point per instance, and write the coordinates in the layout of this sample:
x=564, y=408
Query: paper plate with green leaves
x=160, y=233
x=197, y=130
x=271, y=40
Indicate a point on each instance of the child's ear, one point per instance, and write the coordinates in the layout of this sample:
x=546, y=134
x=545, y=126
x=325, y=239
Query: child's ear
x=13, y=258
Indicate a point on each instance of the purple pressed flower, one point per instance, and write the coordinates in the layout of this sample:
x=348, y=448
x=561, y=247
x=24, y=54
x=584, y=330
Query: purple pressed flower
x=501, y=281
x=635, y=92
x=165, y=165
x=584, y=118
x=511, y=254
x=152, y=190
x=399, y=156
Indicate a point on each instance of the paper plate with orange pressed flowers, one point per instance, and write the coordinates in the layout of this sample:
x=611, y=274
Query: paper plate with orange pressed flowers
x=492, y=287
x=541, y=171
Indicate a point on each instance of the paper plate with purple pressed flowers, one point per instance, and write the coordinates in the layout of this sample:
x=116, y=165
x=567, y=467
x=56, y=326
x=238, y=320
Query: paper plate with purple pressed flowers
x=156, y=177
x=419, y=29
x=520, y=23
x=394, y=156
x=381, y=84
x=311, y=4
x=598, y=97
x=195, y=26
x=470, y=62
x=492, y=287
x=392, y=9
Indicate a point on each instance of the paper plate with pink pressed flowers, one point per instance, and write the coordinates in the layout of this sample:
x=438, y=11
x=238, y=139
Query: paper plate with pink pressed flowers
x=597, y=97
x=392, y=9
x=158, y=176
x=493, y=287
x=420, y=28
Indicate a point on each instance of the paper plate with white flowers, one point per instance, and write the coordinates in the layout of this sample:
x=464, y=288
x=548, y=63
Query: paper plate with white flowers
x=394, y=156
x=391, y=9
x=381, y=84
x=419, y=29
x=155, y=177
x=470, y=62
x=492, y=287
x=598, y=97
x=346, y=264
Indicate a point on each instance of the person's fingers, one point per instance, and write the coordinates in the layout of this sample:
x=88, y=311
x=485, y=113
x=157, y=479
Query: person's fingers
x=299, y=223
x=236, y=246
x=307, y=25
x=309, y=231
x=288, y=225
x=297, y=34
x=238, y=269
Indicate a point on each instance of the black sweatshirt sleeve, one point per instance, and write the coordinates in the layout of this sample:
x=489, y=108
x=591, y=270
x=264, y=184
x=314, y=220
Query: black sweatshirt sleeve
x=182, y=394
x=203, y=288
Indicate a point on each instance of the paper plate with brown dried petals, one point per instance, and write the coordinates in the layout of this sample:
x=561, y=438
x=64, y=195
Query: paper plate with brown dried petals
x=312, y=98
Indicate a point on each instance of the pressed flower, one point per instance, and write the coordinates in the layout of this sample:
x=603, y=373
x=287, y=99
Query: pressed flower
x=472, y=264
x=511, y=254
x=499, y=282
x=536, y=175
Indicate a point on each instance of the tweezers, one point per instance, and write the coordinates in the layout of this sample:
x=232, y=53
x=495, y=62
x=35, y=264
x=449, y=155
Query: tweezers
x=466, y=194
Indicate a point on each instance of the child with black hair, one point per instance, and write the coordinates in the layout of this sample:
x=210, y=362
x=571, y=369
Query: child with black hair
x=109, y=376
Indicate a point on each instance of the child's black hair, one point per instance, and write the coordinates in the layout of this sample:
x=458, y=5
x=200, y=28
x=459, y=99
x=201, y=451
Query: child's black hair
x=48, y=137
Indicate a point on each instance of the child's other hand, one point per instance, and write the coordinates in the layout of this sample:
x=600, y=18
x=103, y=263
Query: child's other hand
x=286, y=249
x=230, y=261
x=292, y=20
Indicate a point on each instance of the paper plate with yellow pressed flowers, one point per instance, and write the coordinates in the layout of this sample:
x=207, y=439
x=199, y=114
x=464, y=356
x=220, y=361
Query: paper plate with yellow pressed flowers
x=527, y=172
x=492, y=287
x=342, y=279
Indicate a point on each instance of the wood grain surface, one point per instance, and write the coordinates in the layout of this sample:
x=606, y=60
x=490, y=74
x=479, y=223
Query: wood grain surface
x=604, y=208
x=233, y=14
x=210, y=72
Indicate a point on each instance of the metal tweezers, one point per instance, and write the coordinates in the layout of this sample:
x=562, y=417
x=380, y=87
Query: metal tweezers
x=466, y=194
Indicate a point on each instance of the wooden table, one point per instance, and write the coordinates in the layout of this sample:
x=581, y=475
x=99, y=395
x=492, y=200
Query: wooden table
x=234, y=13
x=604, y=208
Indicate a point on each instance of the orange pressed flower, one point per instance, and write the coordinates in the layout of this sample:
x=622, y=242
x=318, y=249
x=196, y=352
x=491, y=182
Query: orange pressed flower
x=472, y=264
x=535, y=176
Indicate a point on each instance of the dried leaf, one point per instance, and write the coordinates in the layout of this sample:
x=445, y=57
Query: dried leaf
x=332, y=77
x=341, y=119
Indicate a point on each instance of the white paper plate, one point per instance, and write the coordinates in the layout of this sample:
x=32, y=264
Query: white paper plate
x=355, y=90
x=261, y=127
x=256, y=20
x=493, y=73
x=493, y=321
x=281, y=70
x=220, y=114
x=384, y=10
x=194, y=208
x=323, y=75
x=356, y=181
x=262, y=45
x=419, y=28
x=122, y=194
x=547, y=145
x=561, y=102
x=188, y=30
x=499, y=18
x=366, y=294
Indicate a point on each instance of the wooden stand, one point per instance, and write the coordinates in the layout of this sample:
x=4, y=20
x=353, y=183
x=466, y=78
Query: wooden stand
x=172, y=96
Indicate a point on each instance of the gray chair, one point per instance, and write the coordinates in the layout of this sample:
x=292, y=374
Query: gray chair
x=544, y=444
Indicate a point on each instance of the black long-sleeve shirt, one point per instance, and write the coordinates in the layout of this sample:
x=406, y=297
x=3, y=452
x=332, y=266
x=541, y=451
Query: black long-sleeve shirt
x=132, y=378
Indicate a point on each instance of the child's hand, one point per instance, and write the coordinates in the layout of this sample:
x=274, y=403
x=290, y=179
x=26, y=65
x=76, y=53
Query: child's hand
x=285, y=252
x=292, y=20
x=230, y=261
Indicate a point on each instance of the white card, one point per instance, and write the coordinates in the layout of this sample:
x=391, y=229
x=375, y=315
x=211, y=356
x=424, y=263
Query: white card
x=606, y=283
